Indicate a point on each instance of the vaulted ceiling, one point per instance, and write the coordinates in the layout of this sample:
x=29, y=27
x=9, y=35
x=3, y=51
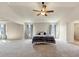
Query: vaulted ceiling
x=21, y=12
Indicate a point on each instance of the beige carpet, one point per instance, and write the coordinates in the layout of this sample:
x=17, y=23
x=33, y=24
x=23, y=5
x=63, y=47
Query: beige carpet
x=24, y=48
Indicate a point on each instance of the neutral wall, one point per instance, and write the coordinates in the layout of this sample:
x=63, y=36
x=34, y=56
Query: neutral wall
x=66, y=31
x=14, y=30
x=76, y=31
x=62, y=31
x=40, y=27
x=70, y=32
x=57, y=30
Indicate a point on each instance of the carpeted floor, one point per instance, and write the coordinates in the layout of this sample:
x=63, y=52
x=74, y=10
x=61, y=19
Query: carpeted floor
x=24, y=48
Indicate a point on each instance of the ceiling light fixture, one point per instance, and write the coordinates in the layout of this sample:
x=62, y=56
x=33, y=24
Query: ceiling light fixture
x=44, y=10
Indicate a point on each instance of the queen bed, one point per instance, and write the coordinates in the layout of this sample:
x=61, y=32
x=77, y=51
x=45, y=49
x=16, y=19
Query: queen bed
x=43, y=39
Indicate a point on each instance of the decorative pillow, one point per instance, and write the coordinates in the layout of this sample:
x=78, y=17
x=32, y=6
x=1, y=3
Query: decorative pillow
x=41, y=33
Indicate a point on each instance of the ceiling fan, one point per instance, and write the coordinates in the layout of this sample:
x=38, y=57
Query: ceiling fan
x=43, y=10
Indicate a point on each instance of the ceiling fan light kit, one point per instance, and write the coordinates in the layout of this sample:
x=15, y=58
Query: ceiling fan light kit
x=44, y=10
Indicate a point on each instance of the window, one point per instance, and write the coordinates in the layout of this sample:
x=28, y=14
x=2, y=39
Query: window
x=29, y=27
x=52, y=30
x=28, y=31
x=2, y=31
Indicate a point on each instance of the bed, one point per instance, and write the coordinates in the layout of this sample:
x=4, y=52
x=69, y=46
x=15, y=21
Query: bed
x=43, y=39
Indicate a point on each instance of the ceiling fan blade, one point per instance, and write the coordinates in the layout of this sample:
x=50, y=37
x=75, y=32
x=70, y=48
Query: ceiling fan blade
x=38, y=14
x=36, y=10
x=50, y=11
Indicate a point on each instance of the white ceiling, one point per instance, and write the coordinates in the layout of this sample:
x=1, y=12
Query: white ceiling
x=21, y=12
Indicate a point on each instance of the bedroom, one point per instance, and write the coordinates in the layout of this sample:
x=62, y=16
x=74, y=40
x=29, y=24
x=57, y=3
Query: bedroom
x=19, y=24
